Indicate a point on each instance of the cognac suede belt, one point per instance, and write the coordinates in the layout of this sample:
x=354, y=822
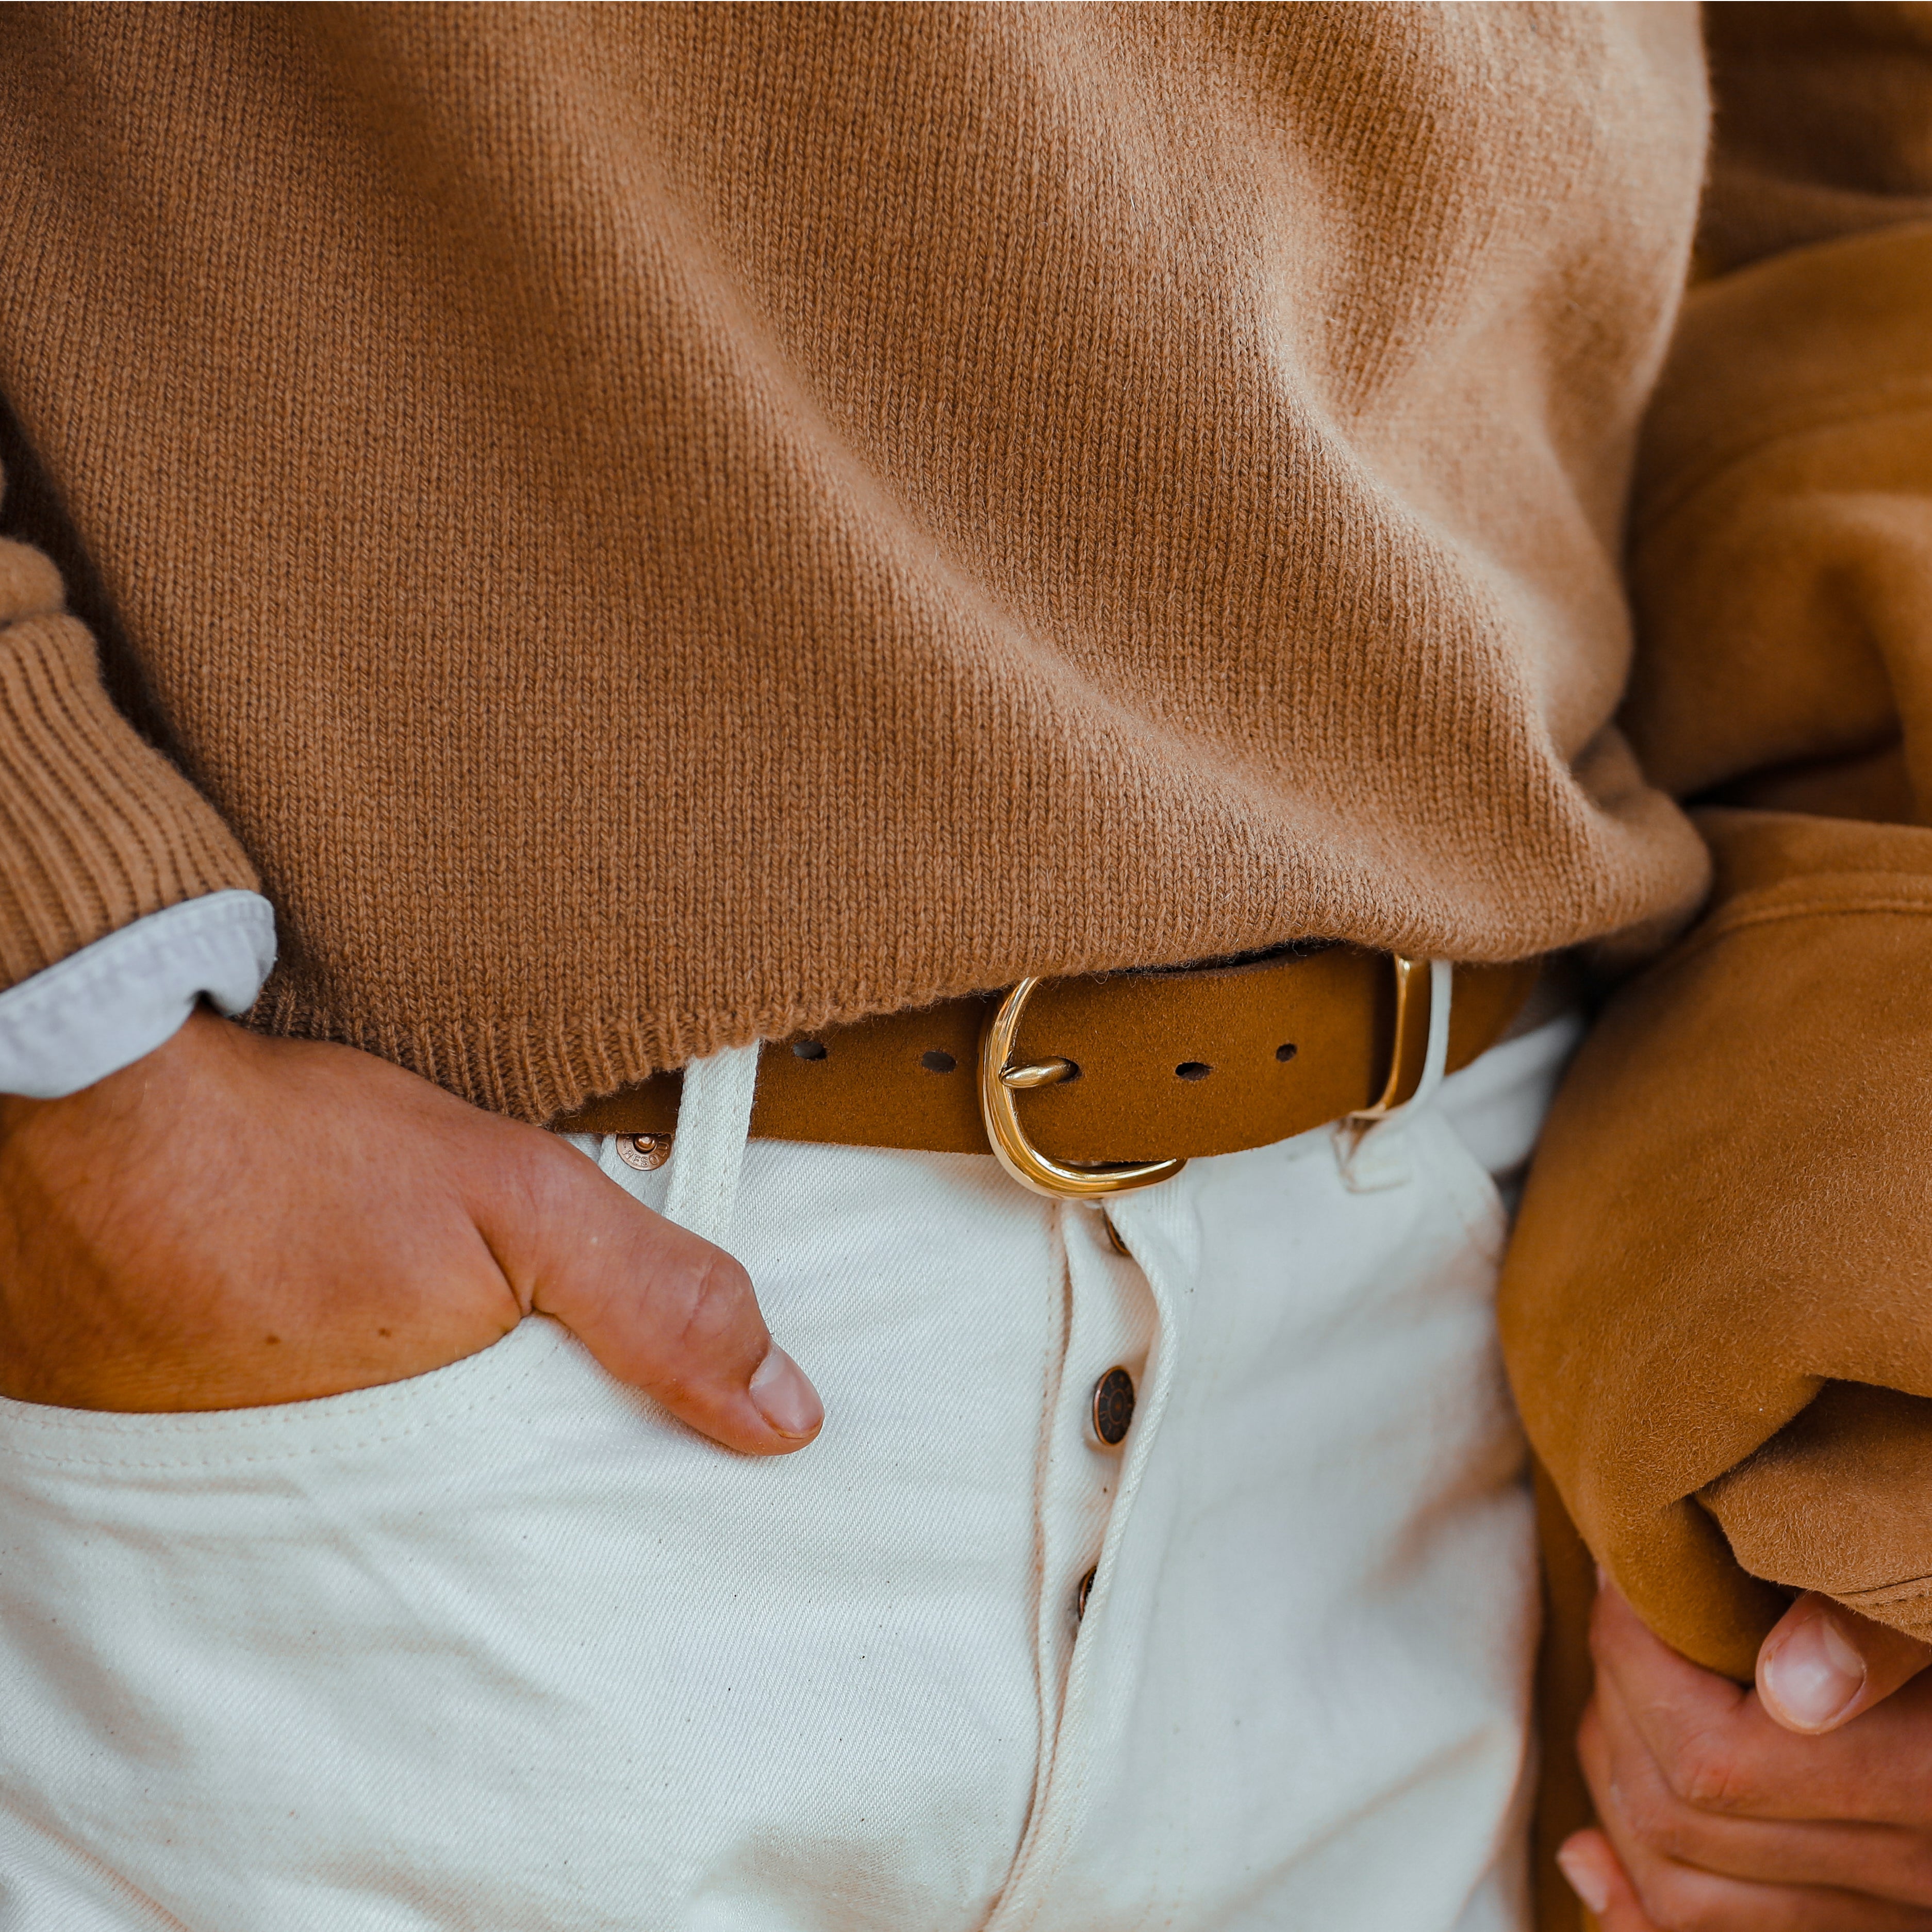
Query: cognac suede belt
x=1086, y=1086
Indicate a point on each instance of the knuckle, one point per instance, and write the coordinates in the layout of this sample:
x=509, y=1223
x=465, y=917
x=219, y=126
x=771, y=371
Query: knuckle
x=723, y=1287
x=555, y=1175
x=704, y=1297
x=532, y=1178
x=1706, y=1772
x=1657, y=1819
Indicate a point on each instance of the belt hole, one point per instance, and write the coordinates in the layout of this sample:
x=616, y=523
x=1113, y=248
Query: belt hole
x=937, y=1062
x=808, y=1049
x=1286, y=1050
x=1193, y=1070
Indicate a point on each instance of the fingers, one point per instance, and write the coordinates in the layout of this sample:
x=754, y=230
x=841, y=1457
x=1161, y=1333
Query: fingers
x=1685, y=1711
x=1646, y=1817
x=1721, y=1751
x=660, y=1308
x=1714, y=1816
x=1595, y=1877
x=1823, y=1664
x=1649, y=1894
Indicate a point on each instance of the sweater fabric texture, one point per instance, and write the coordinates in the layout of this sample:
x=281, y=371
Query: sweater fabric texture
x=646, y=528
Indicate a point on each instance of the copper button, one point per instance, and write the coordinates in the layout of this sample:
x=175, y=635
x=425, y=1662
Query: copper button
x=1113, y=1410
x=643, y=1151
x=1085, y=1590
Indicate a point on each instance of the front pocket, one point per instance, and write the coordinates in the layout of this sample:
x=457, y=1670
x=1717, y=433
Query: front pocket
x=38, y=1434
x=506, y=1645
x=223, y=1634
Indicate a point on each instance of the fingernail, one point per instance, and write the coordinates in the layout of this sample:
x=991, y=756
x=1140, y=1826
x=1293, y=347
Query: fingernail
x=782, y=1396
x=1589, y=1884
x=1814, y=1673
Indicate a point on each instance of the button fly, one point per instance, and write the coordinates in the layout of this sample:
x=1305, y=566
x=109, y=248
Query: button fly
x=1113, y=1409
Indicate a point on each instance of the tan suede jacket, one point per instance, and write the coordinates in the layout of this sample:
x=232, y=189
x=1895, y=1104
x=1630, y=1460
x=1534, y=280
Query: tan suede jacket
x=1717, y=1306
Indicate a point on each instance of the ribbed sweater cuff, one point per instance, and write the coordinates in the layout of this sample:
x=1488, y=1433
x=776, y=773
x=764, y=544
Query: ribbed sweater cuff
x=96, y=828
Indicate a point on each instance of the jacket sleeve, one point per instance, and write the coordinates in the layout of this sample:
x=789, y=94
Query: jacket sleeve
x=97, y=829
x=1717, y=1309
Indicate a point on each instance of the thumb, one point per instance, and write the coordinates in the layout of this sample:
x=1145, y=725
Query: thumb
x=659, y=1307
x=1822, y=1664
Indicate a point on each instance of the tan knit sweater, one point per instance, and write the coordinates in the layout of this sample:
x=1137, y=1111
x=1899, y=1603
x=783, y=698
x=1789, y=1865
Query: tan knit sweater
x=647, y=526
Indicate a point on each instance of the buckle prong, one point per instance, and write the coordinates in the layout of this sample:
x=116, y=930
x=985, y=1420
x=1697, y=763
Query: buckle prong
x=998, y=1082
x=1042, y=1073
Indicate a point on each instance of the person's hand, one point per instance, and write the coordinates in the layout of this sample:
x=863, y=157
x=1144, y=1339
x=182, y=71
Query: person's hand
x=234, y=1220
x=1725, y=1810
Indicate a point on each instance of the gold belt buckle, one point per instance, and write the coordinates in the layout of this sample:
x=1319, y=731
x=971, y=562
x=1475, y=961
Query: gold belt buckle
x=1000, y=1082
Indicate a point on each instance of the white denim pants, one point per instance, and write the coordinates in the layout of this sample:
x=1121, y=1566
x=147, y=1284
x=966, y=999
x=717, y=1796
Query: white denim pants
x=505, y=1648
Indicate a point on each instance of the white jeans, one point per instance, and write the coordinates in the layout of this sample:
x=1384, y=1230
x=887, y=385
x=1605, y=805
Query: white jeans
x=504, y=1648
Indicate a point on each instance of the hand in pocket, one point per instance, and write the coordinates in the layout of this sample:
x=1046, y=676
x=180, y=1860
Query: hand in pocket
x=234, y=1220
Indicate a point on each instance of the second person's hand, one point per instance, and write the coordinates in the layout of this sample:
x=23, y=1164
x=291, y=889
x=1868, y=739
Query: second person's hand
x=1804, y=1804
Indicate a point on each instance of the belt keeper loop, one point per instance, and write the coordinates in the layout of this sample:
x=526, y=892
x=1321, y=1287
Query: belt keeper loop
x=1421, y=1020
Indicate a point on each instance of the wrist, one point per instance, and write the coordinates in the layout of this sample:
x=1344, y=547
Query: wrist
x=203, y=1039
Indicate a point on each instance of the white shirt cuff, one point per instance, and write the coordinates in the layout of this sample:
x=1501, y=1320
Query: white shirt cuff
x=101, y=1009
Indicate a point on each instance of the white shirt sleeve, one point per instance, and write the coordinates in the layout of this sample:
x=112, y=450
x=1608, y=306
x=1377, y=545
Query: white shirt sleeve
x=101, y=1009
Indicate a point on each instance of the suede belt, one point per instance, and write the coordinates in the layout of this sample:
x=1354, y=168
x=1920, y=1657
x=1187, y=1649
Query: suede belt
x=1107, y=1079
